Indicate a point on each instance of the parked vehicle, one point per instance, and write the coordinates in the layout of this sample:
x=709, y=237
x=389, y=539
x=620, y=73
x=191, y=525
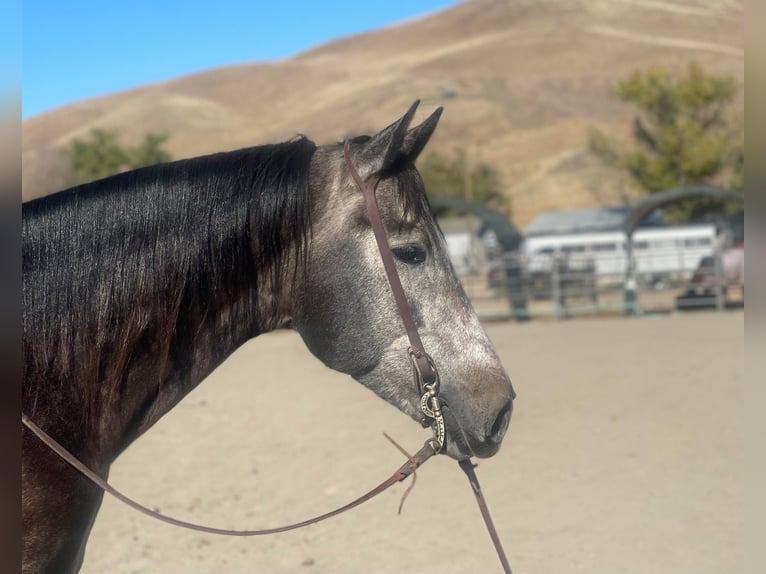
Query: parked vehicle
x=713, y=277
x=663, y=252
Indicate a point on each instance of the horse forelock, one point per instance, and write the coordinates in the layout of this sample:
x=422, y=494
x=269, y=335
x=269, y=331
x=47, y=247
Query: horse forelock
x=410, y=192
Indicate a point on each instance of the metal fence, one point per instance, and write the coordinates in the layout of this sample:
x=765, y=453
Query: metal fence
x=570, y=286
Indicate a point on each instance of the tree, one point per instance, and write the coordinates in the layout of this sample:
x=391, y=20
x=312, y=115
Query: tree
x=101, y=155
x=452, y=177
x=150, y=152
x=683, y=134
x=95, y=158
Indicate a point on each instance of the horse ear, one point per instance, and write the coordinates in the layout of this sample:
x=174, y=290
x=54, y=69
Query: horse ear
x=381, y=150
x=417, y=138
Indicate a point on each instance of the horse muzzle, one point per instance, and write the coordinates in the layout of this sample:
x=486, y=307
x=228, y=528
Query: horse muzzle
x=469, y=436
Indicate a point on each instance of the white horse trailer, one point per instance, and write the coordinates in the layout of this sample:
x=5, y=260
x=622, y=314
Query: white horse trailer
x=673, y=251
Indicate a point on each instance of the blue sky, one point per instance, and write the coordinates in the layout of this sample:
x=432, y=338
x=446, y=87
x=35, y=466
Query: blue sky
x=78, y=49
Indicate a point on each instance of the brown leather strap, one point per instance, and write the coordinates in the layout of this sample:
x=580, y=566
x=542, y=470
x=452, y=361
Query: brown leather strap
x=403, y=472
x=467, y=466
x=424, y=364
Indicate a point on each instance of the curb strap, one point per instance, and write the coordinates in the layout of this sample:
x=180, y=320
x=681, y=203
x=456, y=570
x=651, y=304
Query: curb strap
x=429, y=449
x=425, y=372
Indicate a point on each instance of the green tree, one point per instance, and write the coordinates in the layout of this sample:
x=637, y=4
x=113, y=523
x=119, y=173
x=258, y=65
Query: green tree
x=101, y=155
x=453, y=177
x=682, y=134
x=95, y=158
x=150, y=152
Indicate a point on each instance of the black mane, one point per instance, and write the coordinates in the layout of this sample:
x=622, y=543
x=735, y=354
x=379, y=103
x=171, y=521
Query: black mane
x=140, y=259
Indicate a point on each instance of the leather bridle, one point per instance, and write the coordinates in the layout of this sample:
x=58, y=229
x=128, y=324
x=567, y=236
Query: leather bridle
x=426, y=377
x=424, y=369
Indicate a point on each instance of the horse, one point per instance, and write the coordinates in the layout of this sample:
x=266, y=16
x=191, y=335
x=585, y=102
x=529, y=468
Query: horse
x=137, y=286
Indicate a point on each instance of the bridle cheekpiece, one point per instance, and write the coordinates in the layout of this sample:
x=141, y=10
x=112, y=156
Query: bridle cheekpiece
x=424, y=369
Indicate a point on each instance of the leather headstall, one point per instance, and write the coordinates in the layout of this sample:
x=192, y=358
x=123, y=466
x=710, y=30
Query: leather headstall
x=425, y=373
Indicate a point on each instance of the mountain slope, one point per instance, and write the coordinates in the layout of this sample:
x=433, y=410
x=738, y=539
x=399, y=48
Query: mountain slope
x=521, y=82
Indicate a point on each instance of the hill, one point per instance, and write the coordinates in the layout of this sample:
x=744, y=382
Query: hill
x=521, y=82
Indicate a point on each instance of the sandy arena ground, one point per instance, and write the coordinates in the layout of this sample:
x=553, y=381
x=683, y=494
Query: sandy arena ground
x=624, y=455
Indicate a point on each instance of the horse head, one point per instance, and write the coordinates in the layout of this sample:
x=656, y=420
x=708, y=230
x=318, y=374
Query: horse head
x=346, y=312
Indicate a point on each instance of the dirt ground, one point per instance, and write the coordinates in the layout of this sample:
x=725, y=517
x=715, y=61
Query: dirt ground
x=624, y=454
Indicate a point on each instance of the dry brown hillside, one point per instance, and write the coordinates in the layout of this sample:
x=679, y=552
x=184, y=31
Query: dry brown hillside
x=521, y=81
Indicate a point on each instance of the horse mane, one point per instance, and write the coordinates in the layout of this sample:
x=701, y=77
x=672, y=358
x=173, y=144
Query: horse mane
x=136, y=260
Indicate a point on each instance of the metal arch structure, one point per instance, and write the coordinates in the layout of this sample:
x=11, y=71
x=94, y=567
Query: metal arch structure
x=508, y=237
x=642, y=208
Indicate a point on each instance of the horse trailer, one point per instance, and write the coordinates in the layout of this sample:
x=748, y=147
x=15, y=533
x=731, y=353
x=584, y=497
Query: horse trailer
x=672, y=252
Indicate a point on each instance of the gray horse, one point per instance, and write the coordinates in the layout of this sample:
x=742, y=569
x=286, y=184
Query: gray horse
x=137, y=286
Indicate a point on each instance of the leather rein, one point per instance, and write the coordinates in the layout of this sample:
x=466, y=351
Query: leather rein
x=426, y=378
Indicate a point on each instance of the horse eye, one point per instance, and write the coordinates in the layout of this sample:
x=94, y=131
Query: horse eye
x=410, y=254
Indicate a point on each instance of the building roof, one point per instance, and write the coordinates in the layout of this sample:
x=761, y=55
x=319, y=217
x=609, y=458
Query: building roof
x=584, y=221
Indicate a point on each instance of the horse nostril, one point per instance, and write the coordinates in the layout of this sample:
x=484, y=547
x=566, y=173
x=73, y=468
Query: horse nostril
x=500, y=425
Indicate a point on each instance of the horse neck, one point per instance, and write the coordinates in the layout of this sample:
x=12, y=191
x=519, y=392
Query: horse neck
x=222, y=303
